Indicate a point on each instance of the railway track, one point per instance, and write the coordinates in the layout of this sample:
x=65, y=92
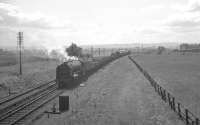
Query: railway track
x=11, y=98
x=16, y=110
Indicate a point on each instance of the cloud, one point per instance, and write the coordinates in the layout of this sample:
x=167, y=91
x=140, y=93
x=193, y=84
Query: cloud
x=152, y=8
x=193, y=6
x=149, y=31
x=184, y=25
x=11, y=15
x=186, y=19
x=38, y=28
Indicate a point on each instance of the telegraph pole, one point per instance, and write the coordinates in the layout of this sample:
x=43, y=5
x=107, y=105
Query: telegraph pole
x=92, y=51
x=99, y=51
x=20, y=42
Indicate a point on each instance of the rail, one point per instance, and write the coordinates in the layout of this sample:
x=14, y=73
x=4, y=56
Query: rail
x=17, y=111
x=2, y=101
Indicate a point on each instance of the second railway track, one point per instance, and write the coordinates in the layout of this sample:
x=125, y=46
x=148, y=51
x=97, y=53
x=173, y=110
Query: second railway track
x=16, y=112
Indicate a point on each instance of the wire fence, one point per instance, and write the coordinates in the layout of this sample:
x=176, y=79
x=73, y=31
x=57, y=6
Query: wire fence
x=184, y=114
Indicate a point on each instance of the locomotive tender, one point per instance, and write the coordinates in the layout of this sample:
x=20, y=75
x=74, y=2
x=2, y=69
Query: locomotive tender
x=69, y=74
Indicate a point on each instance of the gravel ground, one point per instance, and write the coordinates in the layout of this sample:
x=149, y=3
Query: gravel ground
x=117, y=94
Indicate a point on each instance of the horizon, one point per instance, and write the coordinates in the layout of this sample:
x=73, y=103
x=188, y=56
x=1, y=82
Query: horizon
x=108, y=46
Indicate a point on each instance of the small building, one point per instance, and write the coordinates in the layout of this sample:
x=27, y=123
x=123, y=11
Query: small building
x=64, y=102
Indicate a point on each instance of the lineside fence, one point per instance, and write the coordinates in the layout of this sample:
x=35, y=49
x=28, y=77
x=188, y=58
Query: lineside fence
x=184, y=114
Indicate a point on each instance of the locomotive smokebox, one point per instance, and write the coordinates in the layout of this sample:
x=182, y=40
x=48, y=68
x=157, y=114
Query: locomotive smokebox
x=63, y=102
x=68, y=74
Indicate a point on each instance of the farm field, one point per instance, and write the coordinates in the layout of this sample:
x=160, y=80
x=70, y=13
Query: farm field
x=179, y=74
x=118, y=94
x=34, y=73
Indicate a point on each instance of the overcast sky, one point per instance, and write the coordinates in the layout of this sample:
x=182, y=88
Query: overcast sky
x=55, y=23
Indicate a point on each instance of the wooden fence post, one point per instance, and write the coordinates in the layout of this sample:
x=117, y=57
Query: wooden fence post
x=179, y=110
x=164, y=95
x=186, y=116
x=197, y=121
x=173, y=103
x=169, y=100
x=154, y=84
x=156, y=87
x=160, y=90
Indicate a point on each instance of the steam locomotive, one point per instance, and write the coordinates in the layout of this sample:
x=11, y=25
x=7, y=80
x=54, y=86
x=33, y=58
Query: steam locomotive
x=69, y=74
